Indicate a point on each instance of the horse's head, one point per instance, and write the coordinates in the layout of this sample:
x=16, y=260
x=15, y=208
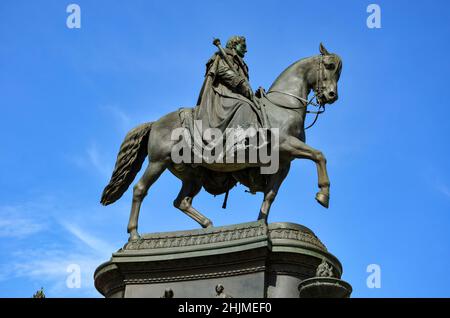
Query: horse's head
x=326, y=77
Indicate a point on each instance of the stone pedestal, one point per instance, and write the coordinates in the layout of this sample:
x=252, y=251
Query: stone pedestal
x=244, y=260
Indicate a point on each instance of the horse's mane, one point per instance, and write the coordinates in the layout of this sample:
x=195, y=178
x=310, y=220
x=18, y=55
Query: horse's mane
x=291, y=66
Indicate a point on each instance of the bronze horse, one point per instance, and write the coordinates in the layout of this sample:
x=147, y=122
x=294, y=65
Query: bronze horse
x=286, y=111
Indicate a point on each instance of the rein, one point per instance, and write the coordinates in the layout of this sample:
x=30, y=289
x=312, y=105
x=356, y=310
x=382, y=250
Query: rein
x=317, y=93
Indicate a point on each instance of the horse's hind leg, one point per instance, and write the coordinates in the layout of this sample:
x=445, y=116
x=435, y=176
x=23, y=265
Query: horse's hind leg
x=271, y=191
x=184, y=199
x=151, y=174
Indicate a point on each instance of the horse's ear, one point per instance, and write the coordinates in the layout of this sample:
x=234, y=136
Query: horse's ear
x=323, y=50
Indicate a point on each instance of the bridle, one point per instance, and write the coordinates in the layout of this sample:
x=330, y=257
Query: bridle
x=317, y=94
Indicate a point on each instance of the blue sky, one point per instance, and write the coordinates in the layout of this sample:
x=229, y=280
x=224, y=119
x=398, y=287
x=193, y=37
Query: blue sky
x=68, y=97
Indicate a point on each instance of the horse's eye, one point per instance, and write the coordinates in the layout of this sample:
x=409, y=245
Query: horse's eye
x=330, y=66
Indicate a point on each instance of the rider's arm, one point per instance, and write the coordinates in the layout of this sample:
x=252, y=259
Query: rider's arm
x=233, y=80
x=228, y=76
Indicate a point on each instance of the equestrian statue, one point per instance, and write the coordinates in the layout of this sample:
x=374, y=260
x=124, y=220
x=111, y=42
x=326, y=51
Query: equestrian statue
x=227, y=102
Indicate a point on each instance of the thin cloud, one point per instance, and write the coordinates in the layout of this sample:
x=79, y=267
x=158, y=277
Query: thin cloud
x=121, y=118
x=17, y=227
x=96, y=244
x=15, y=221
x=97, y=162
x=50, y=269
x=92, y=160
x=444, y=190
x=47, y=265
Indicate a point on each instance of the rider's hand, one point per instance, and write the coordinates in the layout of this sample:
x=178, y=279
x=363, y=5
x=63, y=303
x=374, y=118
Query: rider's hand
x=247, y=91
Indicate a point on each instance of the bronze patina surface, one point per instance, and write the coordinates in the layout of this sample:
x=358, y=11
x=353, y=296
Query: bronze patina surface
x=227, y=101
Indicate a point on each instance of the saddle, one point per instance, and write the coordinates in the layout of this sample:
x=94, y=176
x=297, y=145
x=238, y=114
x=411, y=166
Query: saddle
x=215, y=182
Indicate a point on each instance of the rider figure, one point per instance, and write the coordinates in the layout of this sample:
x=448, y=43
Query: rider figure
x=227, y=101
x=226, y=98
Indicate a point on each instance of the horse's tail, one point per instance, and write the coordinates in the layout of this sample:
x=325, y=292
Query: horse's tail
x=129, y=161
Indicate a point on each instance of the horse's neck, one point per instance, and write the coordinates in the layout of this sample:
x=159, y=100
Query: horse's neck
x=293, y=81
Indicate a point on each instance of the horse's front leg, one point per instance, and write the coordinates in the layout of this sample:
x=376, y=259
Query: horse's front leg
x=299, y=149
x=273, y=184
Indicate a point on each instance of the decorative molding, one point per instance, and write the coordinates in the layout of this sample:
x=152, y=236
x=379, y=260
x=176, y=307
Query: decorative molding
x=301, y=273
x=224, y=234
x=297, y=235
x=198, y=237
x=155, y=280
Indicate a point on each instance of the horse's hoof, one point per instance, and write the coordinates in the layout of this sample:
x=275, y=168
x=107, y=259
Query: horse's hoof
x=262, y=216
x=134, y=236
x=323, y=199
